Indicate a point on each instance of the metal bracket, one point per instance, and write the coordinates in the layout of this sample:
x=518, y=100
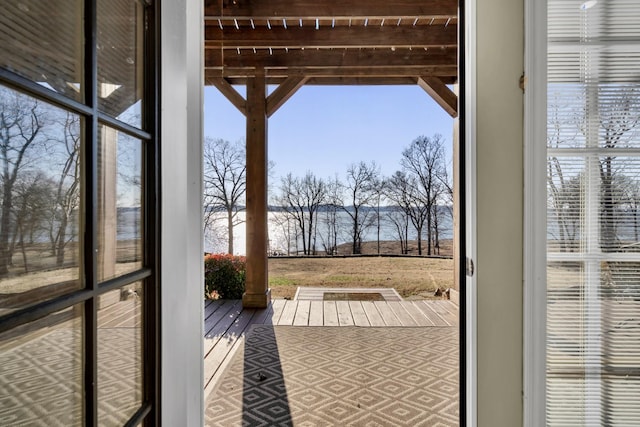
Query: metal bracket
x=469, y=267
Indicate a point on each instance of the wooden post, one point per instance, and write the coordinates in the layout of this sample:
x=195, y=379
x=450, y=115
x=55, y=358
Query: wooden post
x=257, y=293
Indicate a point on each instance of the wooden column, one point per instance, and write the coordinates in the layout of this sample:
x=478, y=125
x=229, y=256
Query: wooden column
x=257, y=293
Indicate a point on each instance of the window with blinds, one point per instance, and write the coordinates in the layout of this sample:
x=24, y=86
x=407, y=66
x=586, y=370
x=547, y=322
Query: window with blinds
x=593, y=213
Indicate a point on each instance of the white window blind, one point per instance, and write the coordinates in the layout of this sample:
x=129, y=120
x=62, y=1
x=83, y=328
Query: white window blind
x=593, y=213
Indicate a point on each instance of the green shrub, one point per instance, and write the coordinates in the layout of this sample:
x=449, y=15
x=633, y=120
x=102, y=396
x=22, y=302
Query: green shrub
x=224, y=276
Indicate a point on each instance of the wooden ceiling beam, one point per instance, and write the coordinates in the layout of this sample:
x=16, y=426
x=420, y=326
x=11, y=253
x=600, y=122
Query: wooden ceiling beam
x=425, y=71
x=229, y=92
x=339, y=37
x=328, y=9
x=215, y=58
x=282, y=94
x=444, y=96
x=361, y=81
x=336, y=81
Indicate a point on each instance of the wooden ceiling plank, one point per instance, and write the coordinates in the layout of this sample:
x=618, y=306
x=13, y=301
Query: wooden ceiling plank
x=282, y=94
x=229, y=92
x=339, y=37
x=330, y=8
x=330, y=58
x=444, y=96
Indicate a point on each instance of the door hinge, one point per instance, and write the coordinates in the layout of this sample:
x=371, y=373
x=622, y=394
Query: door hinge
x=523, y=82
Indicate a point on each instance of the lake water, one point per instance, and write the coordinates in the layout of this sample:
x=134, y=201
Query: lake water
x=277, y=239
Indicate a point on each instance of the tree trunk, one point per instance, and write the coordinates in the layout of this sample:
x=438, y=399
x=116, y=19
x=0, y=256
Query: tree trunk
x=230, y=229
x=62, y=237
x=24, y=252
x=5, y=229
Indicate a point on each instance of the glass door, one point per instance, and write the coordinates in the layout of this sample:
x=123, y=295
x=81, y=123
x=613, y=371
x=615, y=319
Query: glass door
x=77, y=215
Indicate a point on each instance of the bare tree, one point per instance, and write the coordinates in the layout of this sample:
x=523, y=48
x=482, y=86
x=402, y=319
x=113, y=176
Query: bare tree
x=425, y=160
x=67, y=197
x=32, y=203
x=21, y=126
x=302, y=198
x=360, y=189
x=619, y=114
x=400, y=220
x=224, y=182
x=563, y=186
x=287, y=231
x=403, y=190
x=629, y=193
x=379, y=188
x=331, y=221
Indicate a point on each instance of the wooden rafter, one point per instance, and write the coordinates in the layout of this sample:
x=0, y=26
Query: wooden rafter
x=328, y=9
x=339, y=37
x=444, y=96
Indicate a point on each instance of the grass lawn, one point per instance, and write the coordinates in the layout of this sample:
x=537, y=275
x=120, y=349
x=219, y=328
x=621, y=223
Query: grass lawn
x=412, y=277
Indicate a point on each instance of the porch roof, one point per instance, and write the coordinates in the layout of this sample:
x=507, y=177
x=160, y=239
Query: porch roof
x=334, y=42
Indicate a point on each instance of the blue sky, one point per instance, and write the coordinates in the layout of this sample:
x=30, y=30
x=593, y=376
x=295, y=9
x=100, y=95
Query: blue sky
x=325, y=128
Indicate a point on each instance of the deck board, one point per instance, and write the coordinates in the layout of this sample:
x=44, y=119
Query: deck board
x=302, y=314
x=443, y=312
x=437, y=320
x=345, y=318
x=330, y=314
x=402, y=314
x=387, y=314
x=223, y=346
x=359, y=316
x=278, y=306
x=375, y=319
x=418, y=315
x=262, y=315
x=288, y=313
x=316, y=314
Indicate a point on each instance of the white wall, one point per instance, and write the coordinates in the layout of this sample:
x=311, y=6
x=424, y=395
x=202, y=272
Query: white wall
x=499, y=266
x=181, y=237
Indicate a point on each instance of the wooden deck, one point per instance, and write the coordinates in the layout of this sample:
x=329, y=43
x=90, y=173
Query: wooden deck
x=226, y=322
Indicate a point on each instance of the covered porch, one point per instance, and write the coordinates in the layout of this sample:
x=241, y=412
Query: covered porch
x=283, y=46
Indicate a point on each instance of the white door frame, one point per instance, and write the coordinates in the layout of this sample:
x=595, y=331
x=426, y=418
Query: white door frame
x=470, y=173
x=535, y=214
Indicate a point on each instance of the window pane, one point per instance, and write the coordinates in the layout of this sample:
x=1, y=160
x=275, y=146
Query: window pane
x=120, y=190
x=42, y=372
x=40, y=199
x=43, y=42
x=120, y=59
x=620, y=204
x=565, y=204
x=120, y=356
